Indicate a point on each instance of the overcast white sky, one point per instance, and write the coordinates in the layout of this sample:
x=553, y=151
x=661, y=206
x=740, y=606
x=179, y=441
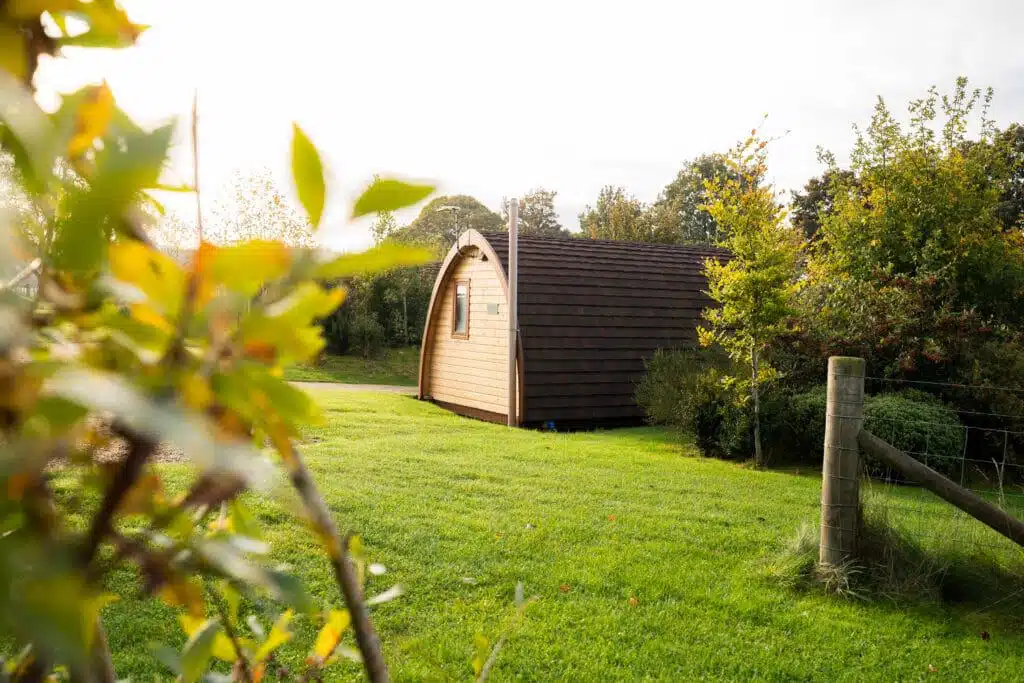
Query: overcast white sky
x=493, y=98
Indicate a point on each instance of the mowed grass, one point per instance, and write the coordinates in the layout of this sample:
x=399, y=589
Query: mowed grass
x=647, y=562
x=394, y=366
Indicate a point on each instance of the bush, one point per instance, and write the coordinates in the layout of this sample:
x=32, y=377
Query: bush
x=683, y=389
x=679, y=384
x=919, y=425
x=366, y=335
x=913, y=421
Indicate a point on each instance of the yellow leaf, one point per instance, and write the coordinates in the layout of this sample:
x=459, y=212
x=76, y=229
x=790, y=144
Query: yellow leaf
x=146, y=315
x=279, y=635
x=13, y=52
x=223, y=648
x=196, y=392
x=141, y=497
x=190, y=624
x=330, y=635
x=152, y=272
x=91, y=613
x=31, y=9
x=92, y=119
x=247, y=266
x=179, y=592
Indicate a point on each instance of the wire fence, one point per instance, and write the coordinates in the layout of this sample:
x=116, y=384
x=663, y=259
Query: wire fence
x=983, y=451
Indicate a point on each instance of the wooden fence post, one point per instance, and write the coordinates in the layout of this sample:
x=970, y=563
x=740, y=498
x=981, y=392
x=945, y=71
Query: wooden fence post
x=840, y=488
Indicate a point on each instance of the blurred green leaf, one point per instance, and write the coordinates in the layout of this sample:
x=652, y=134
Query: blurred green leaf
x=257, y=395
x=375, y=260
x=124, y=168
x=242, y=521
x=107, y=392
x=27, y=134
x=385, y=194
x=231, y=561
x=58, y=413
x=233, y=598
x=198, y=651
x=167, y=656
x=308, y=174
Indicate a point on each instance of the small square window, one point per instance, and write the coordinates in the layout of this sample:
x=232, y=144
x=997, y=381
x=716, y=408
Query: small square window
x=460, y=317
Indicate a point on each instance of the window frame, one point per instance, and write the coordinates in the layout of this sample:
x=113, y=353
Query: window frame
x=455, y=309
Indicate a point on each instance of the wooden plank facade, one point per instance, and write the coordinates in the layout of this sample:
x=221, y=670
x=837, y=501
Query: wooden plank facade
x=590, y=313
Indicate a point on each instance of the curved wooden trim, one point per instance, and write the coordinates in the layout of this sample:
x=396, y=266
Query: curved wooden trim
x=470, y=238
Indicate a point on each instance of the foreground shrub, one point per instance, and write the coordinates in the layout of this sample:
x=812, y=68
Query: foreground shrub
x=121, y=349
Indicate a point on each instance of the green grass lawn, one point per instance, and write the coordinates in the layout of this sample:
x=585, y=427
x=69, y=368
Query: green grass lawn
x=395, y=366
x=647, y=562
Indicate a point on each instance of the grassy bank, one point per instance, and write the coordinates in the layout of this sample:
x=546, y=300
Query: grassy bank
x=394, y=366
x=647, y=562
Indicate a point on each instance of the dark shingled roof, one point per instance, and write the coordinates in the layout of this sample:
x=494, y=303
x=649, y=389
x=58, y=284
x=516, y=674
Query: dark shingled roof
x=591, y=312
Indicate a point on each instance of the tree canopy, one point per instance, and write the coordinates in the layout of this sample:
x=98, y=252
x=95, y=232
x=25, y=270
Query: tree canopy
x=914, y=256
x=437, y=226
x=679, y=215
x=617, y=215
x=537, y=215
x=252, y=206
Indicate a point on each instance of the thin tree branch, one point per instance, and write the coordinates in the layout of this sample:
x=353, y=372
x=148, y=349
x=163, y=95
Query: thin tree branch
x=139, y=451
x=32, y=268
x=344, y=572
x=102, y=664
x=243, y=663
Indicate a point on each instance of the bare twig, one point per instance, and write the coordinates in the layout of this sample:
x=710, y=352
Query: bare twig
x=195, y=164
x=139, y=450
x=24, y=273
x=102, y=664
x=344, y=572
x=243, y=663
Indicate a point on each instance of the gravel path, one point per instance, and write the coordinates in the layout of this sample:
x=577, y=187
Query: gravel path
x=337, y=386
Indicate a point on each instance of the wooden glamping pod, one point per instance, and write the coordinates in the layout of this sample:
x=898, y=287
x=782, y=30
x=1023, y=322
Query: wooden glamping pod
x=590, y=313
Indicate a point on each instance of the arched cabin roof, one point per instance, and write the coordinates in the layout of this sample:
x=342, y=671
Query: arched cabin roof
x=590, y=313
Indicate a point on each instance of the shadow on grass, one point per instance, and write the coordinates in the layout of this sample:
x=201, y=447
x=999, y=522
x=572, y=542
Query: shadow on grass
x=894, y=570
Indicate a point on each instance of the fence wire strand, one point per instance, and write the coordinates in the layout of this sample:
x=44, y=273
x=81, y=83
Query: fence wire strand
x=985, y=463
x=988, y=463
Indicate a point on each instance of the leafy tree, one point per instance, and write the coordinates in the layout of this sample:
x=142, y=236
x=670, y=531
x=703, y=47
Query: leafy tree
x=123, y=344
x=914, y=260
x=384, y=226
x=253, y=207
x=756, y=285
x=1010, y=145
x=617, y=215
x=679, y=214
x=816, y=199
x=537, y=215
x=445, y=218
